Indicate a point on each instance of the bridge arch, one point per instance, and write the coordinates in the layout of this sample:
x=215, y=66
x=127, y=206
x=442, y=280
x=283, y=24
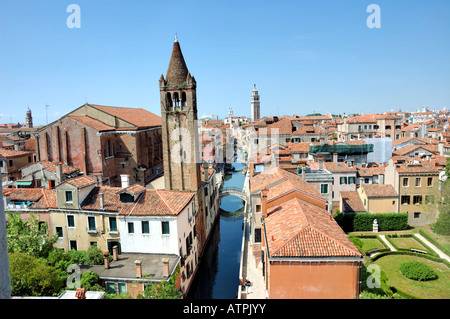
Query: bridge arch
x=233, y=191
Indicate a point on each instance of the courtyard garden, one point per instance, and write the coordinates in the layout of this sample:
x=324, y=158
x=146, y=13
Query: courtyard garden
x=412, y=270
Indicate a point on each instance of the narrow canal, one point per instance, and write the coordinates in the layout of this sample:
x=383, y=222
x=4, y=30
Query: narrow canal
x=218, y=273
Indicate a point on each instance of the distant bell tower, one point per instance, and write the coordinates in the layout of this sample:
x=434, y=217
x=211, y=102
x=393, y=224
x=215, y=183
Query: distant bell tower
x=179, y=125
x=255, y=104
x=28, y=119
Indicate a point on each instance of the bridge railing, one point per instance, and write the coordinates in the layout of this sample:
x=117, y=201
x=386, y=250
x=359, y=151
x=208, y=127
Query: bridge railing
x=232, y=188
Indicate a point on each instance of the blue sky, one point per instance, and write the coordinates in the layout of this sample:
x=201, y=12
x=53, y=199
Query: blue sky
x=304, y=56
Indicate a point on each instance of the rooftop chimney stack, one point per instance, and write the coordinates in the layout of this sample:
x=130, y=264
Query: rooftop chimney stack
x=138, y=264
x=166, y=269
x=81, y=293
x=115, y=253
x=59, y=172
x=264, y=203
x=125, y=179
x=102, y=201
x=106, y=258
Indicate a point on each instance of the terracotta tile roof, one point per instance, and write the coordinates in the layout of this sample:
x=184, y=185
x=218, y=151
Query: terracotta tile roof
x=151, y=202
x=402, y=140
x=91, y=122
x=30, y=144
x=80, y=181
x=414, y=169
x=156, y=202
x=280, y=182
x=413, y=147
x=370, y=171
x=135, y=116
x=12, y=153
x=410, y=127
x=111, y=199
x=298, y=229
x=333, y=167
x=51, y=167
x=24, y=194
x=351, y=202
x=48, y=200
x=298, y=147
x=379, y=190
x=133, y=189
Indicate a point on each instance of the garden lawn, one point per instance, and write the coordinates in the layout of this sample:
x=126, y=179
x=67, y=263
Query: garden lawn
x=435, y=289
x=408, y=243
x=370, y=243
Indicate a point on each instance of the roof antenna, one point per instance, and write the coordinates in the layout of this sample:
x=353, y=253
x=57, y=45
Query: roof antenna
x=176, y=39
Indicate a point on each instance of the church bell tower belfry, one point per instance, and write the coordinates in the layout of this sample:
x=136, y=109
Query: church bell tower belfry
x=179, y=125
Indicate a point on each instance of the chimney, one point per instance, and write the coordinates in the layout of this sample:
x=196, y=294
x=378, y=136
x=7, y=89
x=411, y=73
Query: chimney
x=320, y=165
x=102, y=201
x=125, y=179
x=59, y=172
x=115, y=253
x=335, y=157
x=264, y=203
x=138, y=264
x=81, y=293
x=106, y=258
x=166, y=269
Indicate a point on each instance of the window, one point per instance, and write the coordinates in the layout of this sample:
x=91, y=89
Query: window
x=258, y=208
x=430, y=181
x=165, y=228
x=73, y=244
x=405, y=181
x=145, y=227
x=324, y=188
x=366, y=180
x=405, y=199
x=351, y=180
x=417, y=182
x=343, y=180
x=59, y=231
x=70, y=221
x=91, y=223
x=110, y=288
x=130, y=228
x=416, y=215
x=69, y=198
x=417, y=199
x=11, y=163
x=112, y=224
x=257, y=235
x=121, y=287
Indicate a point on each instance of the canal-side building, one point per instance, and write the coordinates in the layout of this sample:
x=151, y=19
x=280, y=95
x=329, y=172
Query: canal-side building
x=301, y=250
x=307, y=255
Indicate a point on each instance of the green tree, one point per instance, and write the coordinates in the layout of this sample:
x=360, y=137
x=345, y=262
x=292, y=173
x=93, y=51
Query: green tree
x=29, y=237
x=164, y=289
x=442, y=225
x=32, y=277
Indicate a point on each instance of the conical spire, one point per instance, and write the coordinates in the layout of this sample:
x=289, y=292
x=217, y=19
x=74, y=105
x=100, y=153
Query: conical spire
x=177, y=71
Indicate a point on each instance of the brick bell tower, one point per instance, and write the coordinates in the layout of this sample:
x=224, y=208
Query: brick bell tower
x=179, y=125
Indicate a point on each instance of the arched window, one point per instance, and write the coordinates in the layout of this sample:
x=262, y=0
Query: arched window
x=183, y=99
x=168, y=100
x=176, y=100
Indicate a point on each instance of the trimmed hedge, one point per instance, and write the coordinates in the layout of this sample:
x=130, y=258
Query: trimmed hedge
x=351, y=222
x=418, y=271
